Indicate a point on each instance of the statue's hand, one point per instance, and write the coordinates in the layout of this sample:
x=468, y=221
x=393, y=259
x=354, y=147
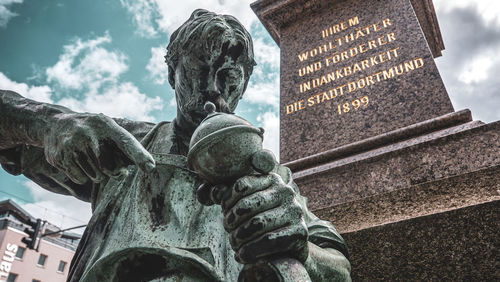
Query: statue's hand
x=90, y=147
x=264, y=219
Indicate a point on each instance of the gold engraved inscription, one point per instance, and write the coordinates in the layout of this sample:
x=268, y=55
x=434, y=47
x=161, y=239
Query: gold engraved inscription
x=336, y=43
x=329, y=63
x=339, y=27
x=352, y=86
x=349, y=70
x=354, y=105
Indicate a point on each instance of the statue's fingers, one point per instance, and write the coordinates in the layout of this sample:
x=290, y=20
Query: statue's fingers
x=110, y=159
x=253, y=204
x=133, y=149
x=290, y=241
x=265, y=222
x=88, y=163
x=74, y=172
x=217, y=192
x=209, y=194
x=247, y=185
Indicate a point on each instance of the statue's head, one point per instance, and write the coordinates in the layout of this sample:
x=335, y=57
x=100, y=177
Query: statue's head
x=210, y=58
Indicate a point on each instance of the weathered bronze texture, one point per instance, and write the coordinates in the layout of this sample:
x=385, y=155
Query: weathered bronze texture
x=149, y=223
x=222, y=146
x=223, y=149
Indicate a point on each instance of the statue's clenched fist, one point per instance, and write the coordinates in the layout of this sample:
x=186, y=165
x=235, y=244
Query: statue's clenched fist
x=90, y=147
x=264, y=219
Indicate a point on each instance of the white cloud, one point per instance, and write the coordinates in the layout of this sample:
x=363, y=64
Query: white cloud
x=122, y=100
x=157, y=67
x=470, y=61
x=477, y=69
x=172, y=102
x=488, y=9
x=271, y=124
x=153, y=16
x=266, y=53
x=5, y=13
x=60, y=210
x=86, y=67
x=144, y=13
x=37, y=93
x=263, y=92
x=87, y=64
x=263, y=88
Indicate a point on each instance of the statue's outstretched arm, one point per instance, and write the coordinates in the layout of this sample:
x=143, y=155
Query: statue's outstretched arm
x=65, y=151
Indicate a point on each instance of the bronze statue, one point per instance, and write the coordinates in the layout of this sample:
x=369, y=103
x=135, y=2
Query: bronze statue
x=149, y=223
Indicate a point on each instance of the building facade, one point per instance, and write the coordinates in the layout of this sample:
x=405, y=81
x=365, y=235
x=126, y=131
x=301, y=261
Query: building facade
x=20, y=264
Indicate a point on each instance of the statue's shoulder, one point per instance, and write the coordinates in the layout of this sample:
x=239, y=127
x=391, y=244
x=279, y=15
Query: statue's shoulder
x=159, y=138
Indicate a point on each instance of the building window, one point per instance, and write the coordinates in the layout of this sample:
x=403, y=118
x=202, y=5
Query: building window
x=20, y=252
x=12, y=277
x=41, y=260
x=62, y=265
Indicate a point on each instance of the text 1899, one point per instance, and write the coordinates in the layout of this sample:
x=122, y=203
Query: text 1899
x=354, y=105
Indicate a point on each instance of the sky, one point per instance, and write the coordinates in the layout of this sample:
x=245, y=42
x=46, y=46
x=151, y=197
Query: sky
x=106, y=56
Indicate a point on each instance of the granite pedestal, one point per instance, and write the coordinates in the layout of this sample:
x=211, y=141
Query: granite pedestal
x=411, y=184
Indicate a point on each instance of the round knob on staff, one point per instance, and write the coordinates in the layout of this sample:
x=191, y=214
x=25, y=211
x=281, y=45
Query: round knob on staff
x=263, y=161
x=209, y=107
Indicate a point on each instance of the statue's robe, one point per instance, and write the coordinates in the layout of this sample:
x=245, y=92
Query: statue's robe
x=150, y=227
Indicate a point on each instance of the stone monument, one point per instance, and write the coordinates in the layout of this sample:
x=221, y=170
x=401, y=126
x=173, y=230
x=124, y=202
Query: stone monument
x=374, y=143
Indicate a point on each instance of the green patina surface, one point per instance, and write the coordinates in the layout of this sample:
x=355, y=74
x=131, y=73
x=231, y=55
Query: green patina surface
x=149, y=223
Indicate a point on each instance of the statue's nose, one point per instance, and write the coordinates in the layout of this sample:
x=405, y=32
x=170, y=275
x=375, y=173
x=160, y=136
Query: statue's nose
x=211, y=90
x=212, y=95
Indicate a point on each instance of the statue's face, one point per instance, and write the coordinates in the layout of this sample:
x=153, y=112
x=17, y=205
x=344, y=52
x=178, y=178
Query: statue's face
x=217, y=77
